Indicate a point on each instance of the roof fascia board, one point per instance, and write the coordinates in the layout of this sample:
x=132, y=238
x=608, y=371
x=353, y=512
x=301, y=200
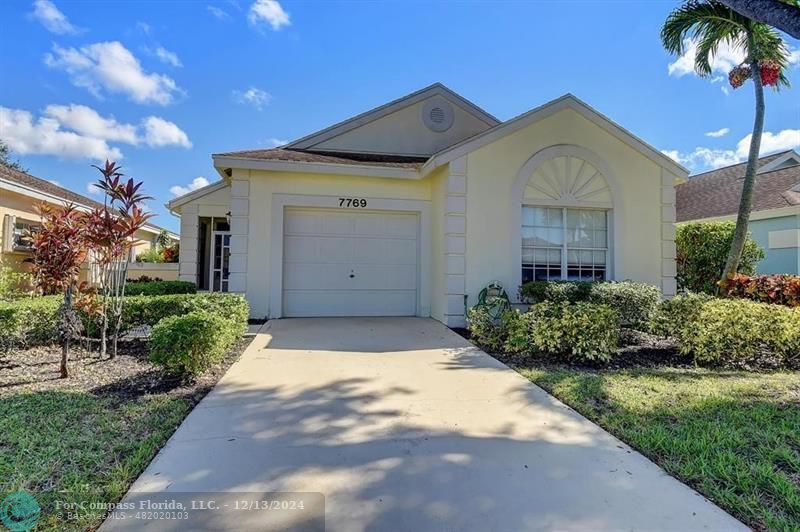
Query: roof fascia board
x=315, y=168
x=568, y=101
x=779, y=161
x=755, y=215
x=436, y=89
x=195, y=194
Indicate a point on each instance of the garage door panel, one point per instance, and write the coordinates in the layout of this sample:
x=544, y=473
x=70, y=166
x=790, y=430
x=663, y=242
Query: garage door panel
x=337, y=277
x=384, y=251
x=350, y=263
x=310, y=303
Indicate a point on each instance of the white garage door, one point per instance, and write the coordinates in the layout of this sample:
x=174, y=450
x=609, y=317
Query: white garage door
x=344, y=263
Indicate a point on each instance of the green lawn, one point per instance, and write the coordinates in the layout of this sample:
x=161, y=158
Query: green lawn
x=733, y=436
x=75, y=446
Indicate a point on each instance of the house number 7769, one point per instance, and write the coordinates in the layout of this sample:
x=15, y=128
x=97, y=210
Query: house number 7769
x=355, y=203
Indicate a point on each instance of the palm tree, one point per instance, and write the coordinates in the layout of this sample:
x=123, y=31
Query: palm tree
x=710, y=24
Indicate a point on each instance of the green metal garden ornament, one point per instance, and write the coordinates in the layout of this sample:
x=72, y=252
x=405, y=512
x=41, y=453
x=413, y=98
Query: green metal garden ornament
x=494, y=299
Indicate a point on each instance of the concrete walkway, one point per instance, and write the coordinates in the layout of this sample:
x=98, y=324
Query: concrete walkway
x=403, y=425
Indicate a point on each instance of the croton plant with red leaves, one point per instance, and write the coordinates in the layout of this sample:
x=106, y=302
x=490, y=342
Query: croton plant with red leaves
x=777, y=289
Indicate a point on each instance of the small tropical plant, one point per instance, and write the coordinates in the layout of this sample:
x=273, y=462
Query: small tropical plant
x=59, y=249
x=711, y=24
x=111, y=233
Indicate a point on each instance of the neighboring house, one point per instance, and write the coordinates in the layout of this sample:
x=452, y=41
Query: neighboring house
x=413, y=207
x=19, y=194
x=775, y=218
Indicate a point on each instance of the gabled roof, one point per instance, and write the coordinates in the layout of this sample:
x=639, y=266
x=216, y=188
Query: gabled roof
x=300, y=156
x=27, y=184
x=567, y=101
x=437, y=89
x=717, y=193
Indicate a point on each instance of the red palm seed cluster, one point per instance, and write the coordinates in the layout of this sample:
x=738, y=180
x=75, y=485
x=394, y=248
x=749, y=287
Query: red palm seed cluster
x=770, y=72
x=738, y=76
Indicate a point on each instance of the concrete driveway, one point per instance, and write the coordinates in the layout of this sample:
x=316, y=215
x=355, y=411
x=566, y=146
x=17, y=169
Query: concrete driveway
x=403, y=425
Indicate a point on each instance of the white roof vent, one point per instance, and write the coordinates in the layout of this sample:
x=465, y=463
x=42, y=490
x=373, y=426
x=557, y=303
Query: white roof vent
x=437, y=115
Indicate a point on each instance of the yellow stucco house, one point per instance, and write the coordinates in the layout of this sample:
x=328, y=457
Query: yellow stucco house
x=20, y=192
x=411, y=208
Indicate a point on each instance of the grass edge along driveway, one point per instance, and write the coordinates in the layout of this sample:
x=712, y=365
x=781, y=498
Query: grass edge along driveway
x=732, y=436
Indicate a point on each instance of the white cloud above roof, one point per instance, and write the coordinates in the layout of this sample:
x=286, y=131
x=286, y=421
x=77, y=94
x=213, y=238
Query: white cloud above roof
x=268, y=12
x=703, y=158
x=79, y=132
x=197, y=182
x=718, y=133
x=252, y=96
x=109, y=67
x=53, y=19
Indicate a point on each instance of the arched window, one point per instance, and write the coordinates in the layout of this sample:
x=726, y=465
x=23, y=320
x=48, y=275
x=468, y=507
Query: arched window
x=566, y=217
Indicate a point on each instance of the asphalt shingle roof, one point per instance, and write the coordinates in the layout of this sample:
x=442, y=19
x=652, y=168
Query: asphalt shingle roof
x=717, y=193
x=293, y=155
x=42, y=185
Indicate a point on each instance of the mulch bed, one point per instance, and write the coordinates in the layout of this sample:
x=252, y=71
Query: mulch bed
x=637, y=350
x=128, y=376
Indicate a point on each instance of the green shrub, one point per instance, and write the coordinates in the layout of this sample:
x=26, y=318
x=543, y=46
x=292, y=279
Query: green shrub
x=14, y=284
x=192, y=343
x=636, y=303
x=740, y=333
x=484, y=329
x=555, y=291
x=149, y=310
x=30, y=321
x=677, y=313
x=731, y=332
x=160, y=288
x=581, y=331
x=702, y=249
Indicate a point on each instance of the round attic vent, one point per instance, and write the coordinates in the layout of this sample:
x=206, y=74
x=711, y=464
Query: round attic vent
x=437, y=115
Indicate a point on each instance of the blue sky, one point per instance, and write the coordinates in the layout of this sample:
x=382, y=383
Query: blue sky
x=166, y=84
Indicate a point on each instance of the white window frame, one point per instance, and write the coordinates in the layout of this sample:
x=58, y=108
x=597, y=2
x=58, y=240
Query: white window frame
x=607, y=275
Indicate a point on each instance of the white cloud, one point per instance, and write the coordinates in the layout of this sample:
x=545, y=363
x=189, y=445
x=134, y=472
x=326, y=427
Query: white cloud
x=111, y=67
x=220, y=14
x=253, y=96
x=80, y=132
x=56, y=183
x=45, y=137
x=53, y=19
x=93, y=189
x=170, y=58
x=708, y=159
x=274, y=143
x=197, y=182
x=726, y=58
x=88, y=122
x=159, y=132
x=144, y=27
x=787, y=139
x=270, y=12
x=718, y=133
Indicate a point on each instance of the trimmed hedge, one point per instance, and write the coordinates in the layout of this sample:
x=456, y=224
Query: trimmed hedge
x=29, y=321
x=777, y=289
x=160, y=288
x=702, y=249
x=636, y=303
x=583, y=332
x=34, y=321
x=732, y=332
x=192, y=343
x=149, y=310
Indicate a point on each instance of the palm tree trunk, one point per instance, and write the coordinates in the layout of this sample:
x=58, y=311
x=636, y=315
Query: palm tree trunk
x=746, y=201
x=65, y=332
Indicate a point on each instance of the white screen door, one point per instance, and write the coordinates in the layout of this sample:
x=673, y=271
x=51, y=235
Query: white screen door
x=220, y=259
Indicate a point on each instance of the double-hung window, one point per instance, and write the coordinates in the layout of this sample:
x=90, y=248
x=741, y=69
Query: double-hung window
x=564, y=244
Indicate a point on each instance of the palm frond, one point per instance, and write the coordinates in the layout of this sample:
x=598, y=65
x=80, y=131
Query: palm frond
x=706, y=22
